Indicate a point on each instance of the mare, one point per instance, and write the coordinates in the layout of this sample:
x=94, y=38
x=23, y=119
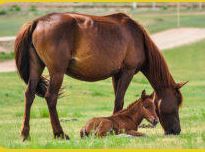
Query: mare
x=92, y=48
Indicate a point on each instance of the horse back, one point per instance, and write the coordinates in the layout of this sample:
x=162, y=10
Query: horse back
x=89, y=47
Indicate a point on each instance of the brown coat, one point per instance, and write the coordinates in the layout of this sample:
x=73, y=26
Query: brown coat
x=124, y=121
x=92, y=48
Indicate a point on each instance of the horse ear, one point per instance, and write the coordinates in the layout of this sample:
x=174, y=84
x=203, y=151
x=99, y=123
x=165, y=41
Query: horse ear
x=143, y=95
x=153, y=96
x=181, y=84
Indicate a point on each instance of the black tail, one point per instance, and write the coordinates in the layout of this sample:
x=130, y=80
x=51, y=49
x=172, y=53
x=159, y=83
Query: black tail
x=22, y=44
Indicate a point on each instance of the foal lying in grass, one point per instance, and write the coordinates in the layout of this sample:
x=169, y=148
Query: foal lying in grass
x=125, y=121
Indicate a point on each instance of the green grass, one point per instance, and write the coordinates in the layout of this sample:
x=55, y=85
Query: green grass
x=84, y=100
x=10, y=24
x=155, y=21
x=6, y=56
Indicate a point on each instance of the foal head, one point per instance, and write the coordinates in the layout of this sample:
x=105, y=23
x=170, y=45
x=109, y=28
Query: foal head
x=144, y=108
x=148, y=107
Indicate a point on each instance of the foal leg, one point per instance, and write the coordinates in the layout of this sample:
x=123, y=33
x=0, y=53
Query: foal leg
x=36, y=69
x=51, y=98
x=134, y=133
x=122, y=84
x=104, y=128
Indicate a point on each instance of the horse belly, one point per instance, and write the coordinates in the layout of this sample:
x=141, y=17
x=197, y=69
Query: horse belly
x=92, y=69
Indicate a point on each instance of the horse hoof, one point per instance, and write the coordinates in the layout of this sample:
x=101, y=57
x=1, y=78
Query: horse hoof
x=61, y=136
x=66, y=137
x=25, y=138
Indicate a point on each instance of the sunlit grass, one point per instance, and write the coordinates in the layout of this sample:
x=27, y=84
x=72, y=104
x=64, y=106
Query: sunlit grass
x=84, y=100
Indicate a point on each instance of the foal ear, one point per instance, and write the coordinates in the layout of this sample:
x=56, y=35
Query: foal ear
x=143, y=95
x=181, y=84
x=153, y=96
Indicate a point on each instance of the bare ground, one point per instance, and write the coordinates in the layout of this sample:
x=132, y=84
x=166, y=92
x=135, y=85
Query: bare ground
x=164, y=40
x=7, y=66
x=177, y=37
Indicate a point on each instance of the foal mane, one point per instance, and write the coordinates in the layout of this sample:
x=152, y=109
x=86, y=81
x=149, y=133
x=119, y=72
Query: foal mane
x=130, y=106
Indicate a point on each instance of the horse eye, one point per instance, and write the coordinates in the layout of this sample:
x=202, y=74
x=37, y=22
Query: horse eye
x=146, y=107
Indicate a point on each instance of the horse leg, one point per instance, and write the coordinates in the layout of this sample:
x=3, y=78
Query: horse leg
x=122, y=85
x=51, y=98
x=115, y=80
x=36, y=69
x=29, y=97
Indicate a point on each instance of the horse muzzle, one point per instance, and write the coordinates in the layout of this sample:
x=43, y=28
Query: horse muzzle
x=175, y=131
x=155, y=122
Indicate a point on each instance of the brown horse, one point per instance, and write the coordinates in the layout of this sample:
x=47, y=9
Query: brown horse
x=124, y=121
x=92, y=48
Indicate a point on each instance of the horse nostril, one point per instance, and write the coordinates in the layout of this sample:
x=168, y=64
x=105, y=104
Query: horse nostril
x=177, y=131
x=155, y=122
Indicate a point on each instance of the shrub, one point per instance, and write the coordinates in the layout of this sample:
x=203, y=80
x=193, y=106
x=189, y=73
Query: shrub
x=33, y=8
x=15, y=8
x=164, y=7
x=3, y=12
x=6, y=56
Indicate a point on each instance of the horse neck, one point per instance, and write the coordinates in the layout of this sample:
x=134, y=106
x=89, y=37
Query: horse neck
x=155, y=69
x=135, y=113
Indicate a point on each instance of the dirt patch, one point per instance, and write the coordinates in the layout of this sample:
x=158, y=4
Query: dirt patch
x=7, y=66
x=177, y=37
x=2, y=49
x=6, y=43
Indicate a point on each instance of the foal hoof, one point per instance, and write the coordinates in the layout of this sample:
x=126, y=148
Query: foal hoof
x=66, y=137
x=61, y=136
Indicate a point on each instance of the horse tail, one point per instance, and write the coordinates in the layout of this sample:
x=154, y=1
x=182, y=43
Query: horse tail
x=21, y=49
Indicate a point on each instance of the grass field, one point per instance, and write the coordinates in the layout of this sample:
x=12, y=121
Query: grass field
x=84, y=100
x=6, y=56
x=154, y=21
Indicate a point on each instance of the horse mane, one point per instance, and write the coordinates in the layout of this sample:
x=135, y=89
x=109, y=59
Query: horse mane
x=155, y=68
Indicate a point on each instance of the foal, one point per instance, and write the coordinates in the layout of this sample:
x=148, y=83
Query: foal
x=124, y=121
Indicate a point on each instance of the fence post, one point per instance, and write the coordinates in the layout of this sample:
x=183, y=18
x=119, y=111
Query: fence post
x=153, y=6
x=134, y=5
x=200, y=5
x=178, y=14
